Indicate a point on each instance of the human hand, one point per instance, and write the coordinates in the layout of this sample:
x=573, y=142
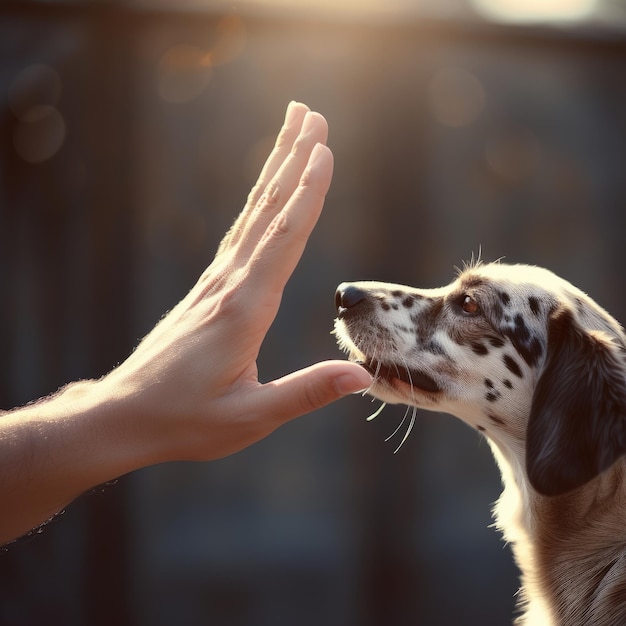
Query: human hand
x=192, y=383
x=190, y=390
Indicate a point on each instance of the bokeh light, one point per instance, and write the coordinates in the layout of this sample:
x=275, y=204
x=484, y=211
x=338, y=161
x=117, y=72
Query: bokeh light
x=513, y=153
x=183, y=73
x=230, y=40
x=456, y=97
x=185, y=70
x=34, y=85
x=33, y=97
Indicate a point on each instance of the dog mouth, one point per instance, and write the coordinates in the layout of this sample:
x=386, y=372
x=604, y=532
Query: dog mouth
x=391, y=373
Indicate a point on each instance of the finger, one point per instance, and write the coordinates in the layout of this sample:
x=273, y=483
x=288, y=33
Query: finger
x=282, y=186
x=294, y=117
x=280, y=248
x=309, y=389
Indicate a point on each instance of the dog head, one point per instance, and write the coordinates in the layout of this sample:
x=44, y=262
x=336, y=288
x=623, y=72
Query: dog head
x=515, y=351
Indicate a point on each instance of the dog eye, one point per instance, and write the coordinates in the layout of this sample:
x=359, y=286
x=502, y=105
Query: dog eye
x=469, y=305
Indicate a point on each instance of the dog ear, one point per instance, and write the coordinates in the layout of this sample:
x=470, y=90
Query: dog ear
x=577, y=423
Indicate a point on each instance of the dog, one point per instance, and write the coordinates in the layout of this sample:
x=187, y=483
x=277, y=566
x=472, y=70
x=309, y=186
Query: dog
x=539, y=369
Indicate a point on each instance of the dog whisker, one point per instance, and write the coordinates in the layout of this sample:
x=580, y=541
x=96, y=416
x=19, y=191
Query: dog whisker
x=399, y=426
x=414, y=412
x=408, y=430
x=377, y=412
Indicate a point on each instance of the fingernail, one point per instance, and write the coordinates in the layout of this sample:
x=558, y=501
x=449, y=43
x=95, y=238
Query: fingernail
x=292, y=107
x=319, y=153
x=353, y=383
x=289, y=114
x=316, y=153
x=310, y=120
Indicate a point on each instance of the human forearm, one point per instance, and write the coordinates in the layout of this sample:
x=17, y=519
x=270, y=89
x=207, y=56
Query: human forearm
x=59, y=447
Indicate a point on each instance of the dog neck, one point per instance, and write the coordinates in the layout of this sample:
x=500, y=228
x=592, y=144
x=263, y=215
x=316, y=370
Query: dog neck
x=571, y=549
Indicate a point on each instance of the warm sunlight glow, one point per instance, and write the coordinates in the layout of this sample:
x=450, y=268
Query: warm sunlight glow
x=184, y=71
x=535, y=10
x=345, y=8
x=511, y=11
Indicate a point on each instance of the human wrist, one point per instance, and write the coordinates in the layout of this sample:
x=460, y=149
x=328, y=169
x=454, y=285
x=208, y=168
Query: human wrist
x=138, y=419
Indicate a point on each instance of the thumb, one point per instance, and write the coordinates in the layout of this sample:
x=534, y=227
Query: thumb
x=311, y=388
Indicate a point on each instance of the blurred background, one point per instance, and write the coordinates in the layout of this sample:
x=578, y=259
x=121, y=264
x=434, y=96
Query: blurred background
x=130, y=134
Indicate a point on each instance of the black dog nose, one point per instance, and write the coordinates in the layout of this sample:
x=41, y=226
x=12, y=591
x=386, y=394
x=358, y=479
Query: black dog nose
x=348, y=296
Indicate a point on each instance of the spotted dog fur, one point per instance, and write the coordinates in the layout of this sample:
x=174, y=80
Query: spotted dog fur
x=539, y=368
